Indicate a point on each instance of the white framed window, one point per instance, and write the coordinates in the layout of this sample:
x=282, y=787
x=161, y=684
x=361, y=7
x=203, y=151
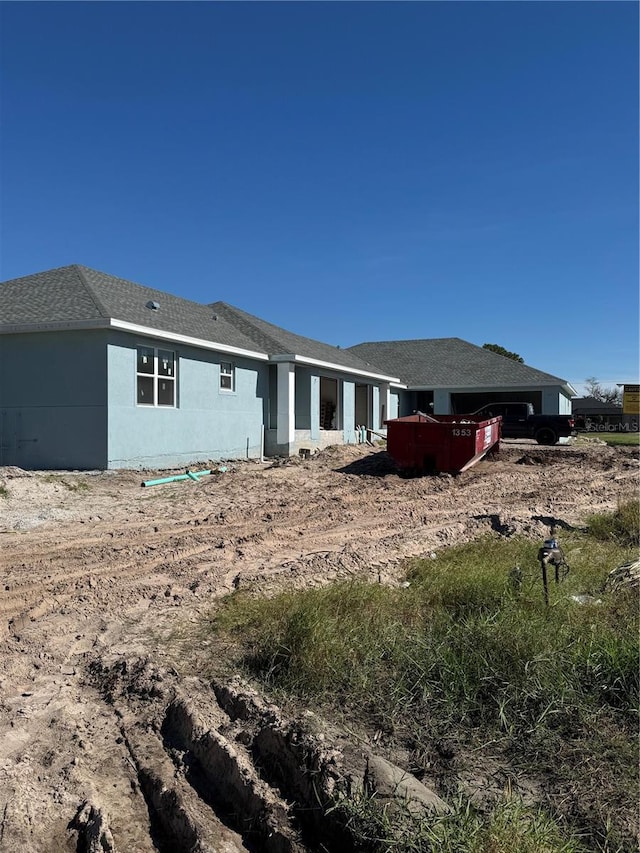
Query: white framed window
x=227, y=376
x=155, y=377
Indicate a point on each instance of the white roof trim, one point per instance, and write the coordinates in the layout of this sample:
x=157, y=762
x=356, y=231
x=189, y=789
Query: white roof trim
x=475, y=389
x=303, y=359
x=121, y=325
x=185, y=339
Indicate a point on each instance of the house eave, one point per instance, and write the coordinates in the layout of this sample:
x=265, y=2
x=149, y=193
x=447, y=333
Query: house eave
x=200, y=343
x=474, y=389
x=341, y=368
x=132, y=328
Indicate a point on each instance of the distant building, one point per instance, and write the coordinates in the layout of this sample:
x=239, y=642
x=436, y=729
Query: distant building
x=593, y=415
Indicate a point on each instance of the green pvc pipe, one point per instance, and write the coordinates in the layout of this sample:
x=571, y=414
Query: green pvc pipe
x=190, y=475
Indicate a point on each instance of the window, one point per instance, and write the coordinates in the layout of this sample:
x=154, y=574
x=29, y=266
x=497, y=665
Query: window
x=156, y=377
x=227, y=376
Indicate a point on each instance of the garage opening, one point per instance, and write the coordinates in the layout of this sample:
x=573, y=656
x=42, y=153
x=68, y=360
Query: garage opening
x=465, y=404
x=424, y=402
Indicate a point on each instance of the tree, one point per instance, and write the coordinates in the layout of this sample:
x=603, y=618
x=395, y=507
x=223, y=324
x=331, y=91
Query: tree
x=612, y=396
x=505, y=352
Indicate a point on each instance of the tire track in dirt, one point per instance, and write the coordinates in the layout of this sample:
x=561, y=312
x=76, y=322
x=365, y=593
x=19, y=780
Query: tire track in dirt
x=282, y=534
x=110, y=579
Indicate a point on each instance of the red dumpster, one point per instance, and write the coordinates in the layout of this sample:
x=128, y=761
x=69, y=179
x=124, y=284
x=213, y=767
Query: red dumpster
x=450, y=443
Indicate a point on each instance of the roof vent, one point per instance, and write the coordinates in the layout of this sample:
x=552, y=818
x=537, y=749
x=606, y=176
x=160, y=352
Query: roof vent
x=153, y=305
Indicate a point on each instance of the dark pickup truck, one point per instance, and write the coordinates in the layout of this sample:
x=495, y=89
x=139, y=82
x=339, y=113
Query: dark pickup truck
x=520, y=421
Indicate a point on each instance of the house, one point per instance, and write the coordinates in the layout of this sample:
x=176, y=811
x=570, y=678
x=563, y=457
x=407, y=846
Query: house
x=98, y=372
x=451, y=376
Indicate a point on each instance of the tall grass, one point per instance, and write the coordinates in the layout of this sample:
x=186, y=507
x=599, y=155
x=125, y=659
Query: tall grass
x=621, y=526
x=460, y=637
x=470, y=647
x=512, y=827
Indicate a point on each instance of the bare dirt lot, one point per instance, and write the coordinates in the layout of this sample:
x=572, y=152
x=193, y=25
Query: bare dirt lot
x=106, y=743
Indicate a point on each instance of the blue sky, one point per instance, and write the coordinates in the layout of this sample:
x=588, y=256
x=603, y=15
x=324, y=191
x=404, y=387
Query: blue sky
x=350, y=171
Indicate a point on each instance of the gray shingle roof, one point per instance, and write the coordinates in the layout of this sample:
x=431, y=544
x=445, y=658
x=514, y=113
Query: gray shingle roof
x=593, y=406
x=76, y=294
x=450, y=363
x=58, y=295
x=275, y=340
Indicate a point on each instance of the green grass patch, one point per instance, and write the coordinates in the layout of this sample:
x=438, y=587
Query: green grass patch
x=512, y=827
x=76, y=486
x=70, y=485
x=4, y=492
x=621, y=526
x=468, y=651
x=614, y=439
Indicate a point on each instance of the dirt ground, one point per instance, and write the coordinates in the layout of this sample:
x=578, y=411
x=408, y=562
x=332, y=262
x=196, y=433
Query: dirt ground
x=106, y=743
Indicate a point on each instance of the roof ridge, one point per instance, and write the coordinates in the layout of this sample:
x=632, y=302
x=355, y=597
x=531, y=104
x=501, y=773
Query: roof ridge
x=130, y=282
x=79, y=269
x=413, y=341
x=454, y=356
x=245, y=317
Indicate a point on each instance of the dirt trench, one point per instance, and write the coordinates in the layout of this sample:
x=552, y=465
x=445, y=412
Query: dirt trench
x=100, y=752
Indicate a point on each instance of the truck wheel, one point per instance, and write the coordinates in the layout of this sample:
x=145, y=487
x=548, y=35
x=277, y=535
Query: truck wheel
x=545, y=435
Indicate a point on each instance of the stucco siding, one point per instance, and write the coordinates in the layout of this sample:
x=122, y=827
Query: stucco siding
x=375, y=400
x=348, y=411
x=441, y=402
x=564, y=404
x=207, y=423
x=53, y=409
x=555, y=402
x=394, y=405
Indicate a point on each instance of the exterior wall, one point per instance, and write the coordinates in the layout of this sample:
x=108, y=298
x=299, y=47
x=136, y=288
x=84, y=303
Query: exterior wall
x=286, y=389
x=375, y=400
x=394, y=405
x=207, y=423
x=307, y=401
x=564, y=404
x=272, y=407
x=315, y=408
x=555, y=402
x=302, y=441
x=349, y=411
x=53, y=402
x=374, y=404
x=54, y=413
x=307, y=434
x=441, y=402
